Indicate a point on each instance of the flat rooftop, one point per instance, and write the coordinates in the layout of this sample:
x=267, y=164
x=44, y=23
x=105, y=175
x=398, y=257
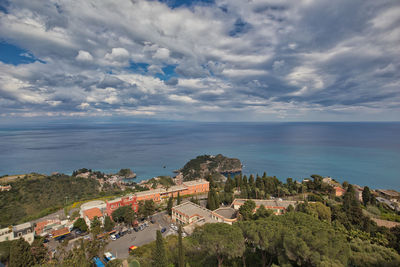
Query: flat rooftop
x=227, y=213
x=268, y=202
x=190, y=209
x=22, y=226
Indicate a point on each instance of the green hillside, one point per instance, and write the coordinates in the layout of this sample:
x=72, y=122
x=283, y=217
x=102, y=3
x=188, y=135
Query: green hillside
x=29, y=197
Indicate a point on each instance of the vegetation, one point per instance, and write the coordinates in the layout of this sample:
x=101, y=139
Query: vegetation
x=108, y=224
x=170, y=205
x=205, y=165
x=159, y=257
x=30, y=198
x=126, y=173
x=124, y=214
x=165, y=181
x=81, y=225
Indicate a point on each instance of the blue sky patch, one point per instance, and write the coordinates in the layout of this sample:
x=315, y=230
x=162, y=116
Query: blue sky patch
x=11, y=54
x=179, y=3
x=169, y=72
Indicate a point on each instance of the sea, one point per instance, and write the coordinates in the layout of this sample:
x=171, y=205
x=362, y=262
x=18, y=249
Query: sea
x=363, y=153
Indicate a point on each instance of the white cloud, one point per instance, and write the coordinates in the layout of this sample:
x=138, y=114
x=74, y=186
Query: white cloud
x=84, y=56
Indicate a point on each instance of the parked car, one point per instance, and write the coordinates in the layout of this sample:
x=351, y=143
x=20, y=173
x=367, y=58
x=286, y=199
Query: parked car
x=163, y=230
x=136, y=229
x=184, y=234
x=113, y=237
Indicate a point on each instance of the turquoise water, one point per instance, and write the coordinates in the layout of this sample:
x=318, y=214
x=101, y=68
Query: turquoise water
x=361, y=153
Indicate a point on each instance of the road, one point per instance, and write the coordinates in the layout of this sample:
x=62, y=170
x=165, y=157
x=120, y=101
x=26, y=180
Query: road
x=119, y=248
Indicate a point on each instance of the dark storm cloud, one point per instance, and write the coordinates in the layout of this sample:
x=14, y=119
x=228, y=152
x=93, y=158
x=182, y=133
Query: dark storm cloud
x=241, y=60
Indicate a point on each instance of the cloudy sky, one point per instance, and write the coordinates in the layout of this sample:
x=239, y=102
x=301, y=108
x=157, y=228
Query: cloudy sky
x=201, y=60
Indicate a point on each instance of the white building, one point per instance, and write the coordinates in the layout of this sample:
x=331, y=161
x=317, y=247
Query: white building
x=15, y=232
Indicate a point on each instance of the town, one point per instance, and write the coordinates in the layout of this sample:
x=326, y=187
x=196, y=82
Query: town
x=122, y=226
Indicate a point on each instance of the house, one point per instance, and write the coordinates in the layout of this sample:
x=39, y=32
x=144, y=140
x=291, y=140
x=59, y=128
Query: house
x=60, y=232
x=5, y=188
x=42, y=228
x=339, y=191
x=15, y=232
x=277, y=206
x=389, y=194
x=90, y=214
x=358, y=191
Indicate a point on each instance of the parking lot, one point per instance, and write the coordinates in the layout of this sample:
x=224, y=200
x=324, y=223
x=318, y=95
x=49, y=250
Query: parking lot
x=119, y=248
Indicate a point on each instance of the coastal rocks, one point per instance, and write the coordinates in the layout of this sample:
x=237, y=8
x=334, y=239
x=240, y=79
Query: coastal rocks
x=205, y=165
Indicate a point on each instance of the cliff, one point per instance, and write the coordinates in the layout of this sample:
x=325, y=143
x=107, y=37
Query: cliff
x=205, y=165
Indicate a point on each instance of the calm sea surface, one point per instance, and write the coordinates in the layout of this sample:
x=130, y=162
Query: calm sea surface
x=361, y=153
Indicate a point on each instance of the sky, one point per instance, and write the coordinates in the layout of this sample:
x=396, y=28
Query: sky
x=222, y=60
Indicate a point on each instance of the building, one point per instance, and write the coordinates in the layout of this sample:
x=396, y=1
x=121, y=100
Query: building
x=42, y=228
x=358, y=191
x=46, y=227
x=389, y=194
x=60, y=232
x=90, y=214
x=130, y=200
x=187, y=188
x=339, y=191
x=278, y=206
x=189, y=213
x=226, y=215
x=15, y=232
x=5, y=188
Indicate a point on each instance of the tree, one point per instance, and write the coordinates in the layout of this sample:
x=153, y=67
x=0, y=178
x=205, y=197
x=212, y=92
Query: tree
x=366, y=195
x=39, y=251
x=170, y=205
x=95, y=226
x=181, y=253
x=158, y=255
x=108, y=224
x=124, y=214
x=20, y=254
x=220, y=240
x=81, y=225
x=146, y=208
x=290, y=208
x=210, y=200
x=262, y=212
x=247, y=209
x=178, y=200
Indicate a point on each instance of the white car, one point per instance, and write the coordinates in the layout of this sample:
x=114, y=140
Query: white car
x=113, y=238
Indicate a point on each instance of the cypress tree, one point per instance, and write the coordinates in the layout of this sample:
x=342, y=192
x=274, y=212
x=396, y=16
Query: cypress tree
x=216, y=200
x=181, y=255
x=211, y=200
x=366, y=195
x=159, y=256
x=178, y=201
x=169, y=205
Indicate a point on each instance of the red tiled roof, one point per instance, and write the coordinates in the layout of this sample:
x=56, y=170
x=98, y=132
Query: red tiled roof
x=91, y=213
x=60, y=232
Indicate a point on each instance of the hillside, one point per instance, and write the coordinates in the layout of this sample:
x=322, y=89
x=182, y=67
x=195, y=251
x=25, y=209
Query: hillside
x=205, y=165
x=31, y=197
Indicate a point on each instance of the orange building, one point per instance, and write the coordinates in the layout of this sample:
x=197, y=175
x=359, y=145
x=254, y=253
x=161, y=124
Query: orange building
x=187, y=188
x=339, y=191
